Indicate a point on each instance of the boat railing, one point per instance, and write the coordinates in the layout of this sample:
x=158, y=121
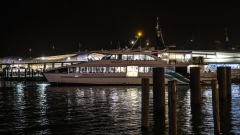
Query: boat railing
x=178, y=61
x=208, y=74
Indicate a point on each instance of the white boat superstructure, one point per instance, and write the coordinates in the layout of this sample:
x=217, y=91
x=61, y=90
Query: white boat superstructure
x=118, y=67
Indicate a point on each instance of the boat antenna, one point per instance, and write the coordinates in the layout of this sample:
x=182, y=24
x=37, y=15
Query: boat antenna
x=134, y=42
x=160, y=42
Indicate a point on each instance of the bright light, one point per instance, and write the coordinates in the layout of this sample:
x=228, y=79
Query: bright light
x=19, y=59
x=43, y=58
x=68, y=58
x=132, y=42
x=139, y=34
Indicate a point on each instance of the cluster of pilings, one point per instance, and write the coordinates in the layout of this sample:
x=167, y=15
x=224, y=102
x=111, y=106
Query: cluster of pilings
x=221, y=90
x=22, y=74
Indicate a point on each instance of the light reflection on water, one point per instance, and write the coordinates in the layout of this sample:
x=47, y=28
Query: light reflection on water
x=38, y=108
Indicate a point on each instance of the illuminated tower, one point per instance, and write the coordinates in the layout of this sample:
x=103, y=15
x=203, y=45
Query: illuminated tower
x=227, y=40
x=160, y=43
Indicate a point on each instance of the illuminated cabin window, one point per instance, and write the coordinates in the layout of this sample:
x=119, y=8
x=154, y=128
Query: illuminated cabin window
x=132, y=71
x=74, y=70
x=141, y=69
x=130, y=57
x=145, y=69
x=124, y=57
x=114, y=57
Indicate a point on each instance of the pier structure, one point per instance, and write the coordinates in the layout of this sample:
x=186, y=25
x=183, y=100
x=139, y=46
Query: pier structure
x=207, y=60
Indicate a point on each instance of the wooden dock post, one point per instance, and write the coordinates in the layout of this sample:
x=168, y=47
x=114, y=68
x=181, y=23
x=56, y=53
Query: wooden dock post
x=11, y=75
x=32, y=73
x=25, y=74
x=229, y=82
x=221, y=77
x=159, y=91
x=7, y=73
x=145, y=103
x=195, y=85
x=215, y=104
x=172, y=107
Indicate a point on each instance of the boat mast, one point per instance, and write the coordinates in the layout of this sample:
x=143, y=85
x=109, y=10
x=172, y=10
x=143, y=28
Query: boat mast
x=160, y=42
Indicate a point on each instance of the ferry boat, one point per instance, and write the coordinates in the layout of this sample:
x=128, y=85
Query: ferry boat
x=121, y=68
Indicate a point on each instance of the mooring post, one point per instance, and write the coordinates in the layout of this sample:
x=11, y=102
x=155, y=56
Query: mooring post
x=159, y=91
x=11, y=74
x=215, y=104
x=195, y=86
x=25, y=73
x=145, y=103
x=222, y=81
x=19, y=74
x=229, y=82
x=7, y=73
x=4, y=73
x=172, y=107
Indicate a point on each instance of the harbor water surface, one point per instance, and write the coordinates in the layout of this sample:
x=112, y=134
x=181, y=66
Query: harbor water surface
x=39, y=108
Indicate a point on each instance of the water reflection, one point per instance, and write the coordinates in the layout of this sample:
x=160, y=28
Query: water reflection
x=38, y=108
x=19, y=106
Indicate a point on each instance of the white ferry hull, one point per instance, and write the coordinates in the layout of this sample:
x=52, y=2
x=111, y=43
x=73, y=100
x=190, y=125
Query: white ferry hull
x=105, y=79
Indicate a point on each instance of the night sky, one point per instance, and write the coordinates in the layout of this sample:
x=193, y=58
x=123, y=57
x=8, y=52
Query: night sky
x=42, y=24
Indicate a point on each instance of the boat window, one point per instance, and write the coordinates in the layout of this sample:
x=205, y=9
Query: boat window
x=89, y=69
x=142, y=57
x=83, y=70
x=130, y=57
x=107, y=57
x=98, y=69
x=119, y=56
x=136, y=57
x=61, y=70
x=148, y=69
x=74, y=70
x=117, y=69
x=103, y=69
x=132, y=71
x=141, y=69
x=124, y=57
x=149, y=57
x=114, y=57
x=111, y=70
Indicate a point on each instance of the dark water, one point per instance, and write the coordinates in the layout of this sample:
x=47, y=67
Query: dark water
x=38, y=108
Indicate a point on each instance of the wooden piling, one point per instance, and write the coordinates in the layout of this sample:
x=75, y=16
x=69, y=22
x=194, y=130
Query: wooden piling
x=145, y=103
x=195, y=86
x=215, y=104
x=7, y=73
x=221, y=77
x=159, y=91
x=11, y=75
x=25, y=73
x=229, y=82
x=172, y=107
